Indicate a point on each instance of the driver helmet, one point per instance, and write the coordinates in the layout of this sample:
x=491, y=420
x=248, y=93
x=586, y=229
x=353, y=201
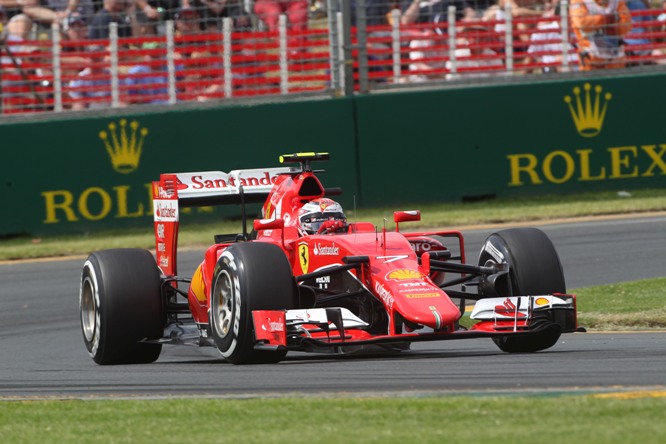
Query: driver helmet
x=314, y=213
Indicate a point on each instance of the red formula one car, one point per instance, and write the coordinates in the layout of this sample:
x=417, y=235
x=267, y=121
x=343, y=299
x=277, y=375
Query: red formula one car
x=306, y=279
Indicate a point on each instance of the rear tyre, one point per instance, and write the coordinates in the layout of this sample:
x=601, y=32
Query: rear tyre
x=120, y=305
x=248, y=276
x=534, y=269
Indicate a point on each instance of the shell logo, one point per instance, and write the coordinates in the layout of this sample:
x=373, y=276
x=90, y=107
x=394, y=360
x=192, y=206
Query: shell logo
x=197, y=285
x=404, y=274
x=542, y=301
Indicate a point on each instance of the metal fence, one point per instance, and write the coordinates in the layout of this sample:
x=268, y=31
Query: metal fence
x=345, y=47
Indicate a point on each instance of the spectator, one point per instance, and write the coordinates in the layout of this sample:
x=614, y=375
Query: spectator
x=56, y=11
x=600, y=26
x=92, y=87
x=10, y=8
x=157, y=10
x=209, y=79
x=546, y=45
x=187, y=21
x=113, y=11
x=3, y=19
x=659, y=54
x=378, y=12
x=436, y=11
x=75, y=30
x=148, y=82
x=520, y=9
x=640, y=25
x=269, y=12
x=473, y=55
x=18, y=89
x=213, y=11
x=428, y=55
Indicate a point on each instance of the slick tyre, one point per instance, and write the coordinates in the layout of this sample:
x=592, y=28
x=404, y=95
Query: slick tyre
x=534, y=268
x=120, y=305
x=248, y=276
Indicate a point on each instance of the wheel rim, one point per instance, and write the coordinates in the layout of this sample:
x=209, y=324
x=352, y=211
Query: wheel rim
x=223, y=308
x=88, y=309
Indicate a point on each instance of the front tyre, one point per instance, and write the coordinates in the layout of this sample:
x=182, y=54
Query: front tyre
x=248, y=276
x=534, y=269
x=120, y=305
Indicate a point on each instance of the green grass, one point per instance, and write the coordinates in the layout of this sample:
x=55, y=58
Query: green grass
x=624, y=306
x=447, y=215
x=499, y=419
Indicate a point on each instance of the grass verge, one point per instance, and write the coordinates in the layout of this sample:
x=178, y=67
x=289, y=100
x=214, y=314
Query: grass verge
x=533, y=419
x=451, y=215
x=625, y=306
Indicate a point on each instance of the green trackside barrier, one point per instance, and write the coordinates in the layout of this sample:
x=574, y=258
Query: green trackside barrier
x=390, y=149
x=550, y=137
x=84, y=174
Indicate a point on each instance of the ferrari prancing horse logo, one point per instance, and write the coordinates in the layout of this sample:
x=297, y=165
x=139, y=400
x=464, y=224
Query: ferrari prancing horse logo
x=304, y=256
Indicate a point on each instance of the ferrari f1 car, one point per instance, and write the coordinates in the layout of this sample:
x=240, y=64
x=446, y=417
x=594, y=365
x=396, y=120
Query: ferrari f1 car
x=338, y=286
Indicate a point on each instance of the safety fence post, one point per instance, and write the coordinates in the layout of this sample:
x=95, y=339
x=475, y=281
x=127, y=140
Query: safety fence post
x=171, y=65
x=115, y=83
x=227, y=25
x=334, y=46
x=508, y=38
x=395, y=37
x=346, y=47
x=361, y=46
x=57, y=68
x=451, y=29
x=284, y=64
x=564, y=29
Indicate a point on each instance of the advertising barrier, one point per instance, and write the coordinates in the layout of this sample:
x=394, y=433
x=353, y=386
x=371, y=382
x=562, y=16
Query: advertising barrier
x=553, y=137
x=393, y=149
x=92, y=173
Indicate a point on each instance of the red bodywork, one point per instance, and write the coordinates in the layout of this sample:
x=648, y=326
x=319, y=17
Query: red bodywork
x=396, y=272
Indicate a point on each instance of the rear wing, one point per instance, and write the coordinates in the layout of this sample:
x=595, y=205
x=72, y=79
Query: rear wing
x=175, y=190
x=220, y=188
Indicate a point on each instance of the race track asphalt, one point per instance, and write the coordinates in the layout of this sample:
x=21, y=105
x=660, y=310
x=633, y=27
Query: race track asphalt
x=43, y=355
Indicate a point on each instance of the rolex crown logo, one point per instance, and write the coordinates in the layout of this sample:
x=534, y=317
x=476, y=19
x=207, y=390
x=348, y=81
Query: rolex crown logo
x=588, y=113
x=124, y=145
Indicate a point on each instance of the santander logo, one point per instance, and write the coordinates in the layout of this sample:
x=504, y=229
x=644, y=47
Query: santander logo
x=165, y=211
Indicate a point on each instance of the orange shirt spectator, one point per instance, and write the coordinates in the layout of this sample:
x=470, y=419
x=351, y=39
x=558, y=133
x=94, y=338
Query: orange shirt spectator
x=599, y=26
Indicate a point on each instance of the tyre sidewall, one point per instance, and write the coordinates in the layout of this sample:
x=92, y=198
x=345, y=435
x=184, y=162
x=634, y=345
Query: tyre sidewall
x=261, y=279
x=125, y=288
x=534, y=265
x=229, y=265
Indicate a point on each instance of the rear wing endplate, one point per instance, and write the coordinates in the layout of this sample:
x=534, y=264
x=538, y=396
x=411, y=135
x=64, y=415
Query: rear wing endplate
x=205, y=188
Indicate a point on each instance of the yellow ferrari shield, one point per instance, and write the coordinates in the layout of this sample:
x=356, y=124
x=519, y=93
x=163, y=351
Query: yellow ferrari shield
x=304, y=257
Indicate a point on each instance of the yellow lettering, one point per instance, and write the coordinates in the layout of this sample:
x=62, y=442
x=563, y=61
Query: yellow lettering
x=621, y=162
x=121, y=194
x=570, y=167
x=83, y=203
x=584, y=156
x=657, y=158
x=517, y=168
x=64, y=205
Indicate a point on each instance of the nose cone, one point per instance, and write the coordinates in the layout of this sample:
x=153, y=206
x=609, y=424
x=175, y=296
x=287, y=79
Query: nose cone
x=436, y=317
x=426, y=305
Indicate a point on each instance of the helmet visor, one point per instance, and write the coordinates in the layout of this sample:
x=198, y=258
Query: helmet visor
x=312, y=222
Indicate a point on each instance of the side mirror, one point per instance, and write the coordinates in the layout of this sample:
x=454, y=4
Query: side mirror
x=269, y=224
x=405, y=216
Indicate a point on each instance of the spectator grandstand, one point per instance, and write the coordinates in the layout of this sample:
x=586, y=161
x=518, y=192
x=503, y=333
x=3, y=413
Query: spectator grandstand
x=206, y=52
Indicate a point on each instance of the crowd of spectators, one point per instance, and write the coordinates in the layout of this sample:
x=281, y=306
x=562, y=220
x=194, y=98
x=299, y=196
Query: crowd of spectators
x=602, y=29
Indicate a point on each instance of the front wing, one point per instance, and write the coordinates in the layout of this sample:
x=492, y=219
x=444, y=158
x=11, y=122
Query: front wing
x=325, y=328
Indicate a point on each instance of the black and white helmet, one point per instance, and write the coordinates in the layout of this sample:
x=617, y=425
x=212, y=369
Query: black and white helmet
x=314, y=213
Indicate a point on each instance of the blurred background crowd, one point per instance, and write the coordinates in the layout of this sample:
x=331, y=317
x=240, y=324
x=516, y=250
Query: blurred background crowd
x=93, y=54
